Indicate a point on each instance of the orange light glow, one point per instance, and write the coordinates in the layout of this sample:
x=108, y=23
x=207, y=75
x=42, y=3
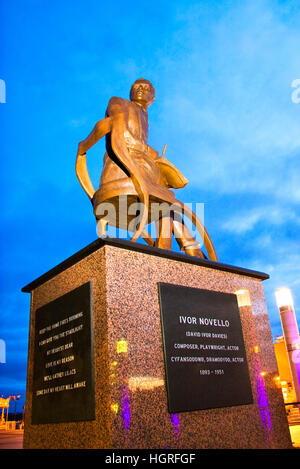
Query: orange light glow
x=143, y=383
x=122, y=346
x=243, y=297
x=114, y=408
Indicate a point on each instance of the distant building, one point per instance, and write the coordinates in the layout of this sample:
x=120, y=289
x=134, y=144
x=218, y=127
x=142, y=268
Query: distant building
x=284, y=369
x=286, y=382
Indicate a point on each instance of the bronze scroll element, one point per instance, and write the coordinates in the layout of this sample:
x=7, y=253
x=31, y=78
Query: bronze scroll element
x=135, y=180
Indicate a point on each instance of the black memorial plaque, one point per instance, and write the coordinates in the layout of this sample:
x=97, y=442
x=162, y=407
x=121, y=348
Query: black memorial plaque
x=63, y=380
x=204, y=351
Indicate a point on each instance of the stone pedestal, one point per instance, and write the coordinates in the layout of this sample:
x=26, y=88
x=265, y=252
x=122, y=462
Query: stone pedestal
x=129, y=405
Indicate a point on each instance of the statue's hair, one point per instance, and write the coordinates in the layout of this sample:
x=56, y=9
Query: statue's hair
x=143, y=80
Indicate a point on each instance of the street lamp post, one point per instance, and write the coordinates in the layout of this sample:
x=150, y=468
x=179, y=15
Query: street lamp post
x=16, y=398
x=291, y=334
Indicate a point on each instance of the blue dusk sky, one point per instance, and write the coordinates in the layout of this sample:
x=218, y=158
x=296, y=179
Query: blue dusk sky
x=227, y=104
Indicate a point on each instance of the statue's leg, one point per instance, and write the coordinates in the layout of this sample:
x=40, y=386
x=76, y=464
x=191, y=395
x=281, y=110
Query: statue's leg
x=164, y=228
x=101, y=227
x=185, y=239
x=182, y=208
x=145, y=235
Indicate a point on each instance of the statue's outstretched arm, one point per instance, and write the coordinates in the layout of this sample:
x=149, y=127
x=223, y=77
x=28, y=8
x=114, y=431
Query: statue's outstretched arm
x=101, y=128
x=116, y=124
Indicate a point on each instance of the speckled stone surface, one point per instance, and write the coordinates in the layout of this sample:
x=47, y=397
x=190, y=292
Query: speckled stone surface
x=130, y=393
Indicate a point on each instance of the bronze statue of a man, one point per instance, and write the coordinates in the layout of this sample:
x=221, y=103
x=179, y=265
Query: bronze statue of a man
x=135, y=170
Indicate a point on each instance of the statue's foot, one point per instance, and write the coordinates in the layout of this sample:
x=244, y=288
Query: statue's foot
x=195, y=251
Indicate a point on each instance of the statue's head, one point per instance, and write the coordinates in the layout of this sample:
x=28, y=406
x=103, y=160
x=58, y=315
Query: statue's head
x=142, y=92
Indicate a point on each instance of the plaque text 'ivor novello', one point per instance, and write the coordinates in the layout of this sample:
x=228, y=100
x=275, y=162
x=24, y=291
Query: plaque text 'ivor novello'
x=203, y=321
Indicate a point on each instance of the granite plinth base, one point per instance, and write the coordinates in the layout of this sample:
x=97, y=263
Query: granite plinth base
x=129, y=380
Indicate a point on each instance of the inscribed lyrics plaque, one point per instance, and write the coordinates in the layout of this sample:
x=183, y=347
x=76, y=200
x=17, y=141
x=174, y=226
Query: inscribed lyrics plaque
x=63, y=381
x=204, y=352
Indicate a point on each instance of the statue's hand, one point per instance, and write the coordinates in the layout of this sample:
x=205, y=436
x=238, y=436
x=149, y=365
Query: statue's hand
x=82, y=172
